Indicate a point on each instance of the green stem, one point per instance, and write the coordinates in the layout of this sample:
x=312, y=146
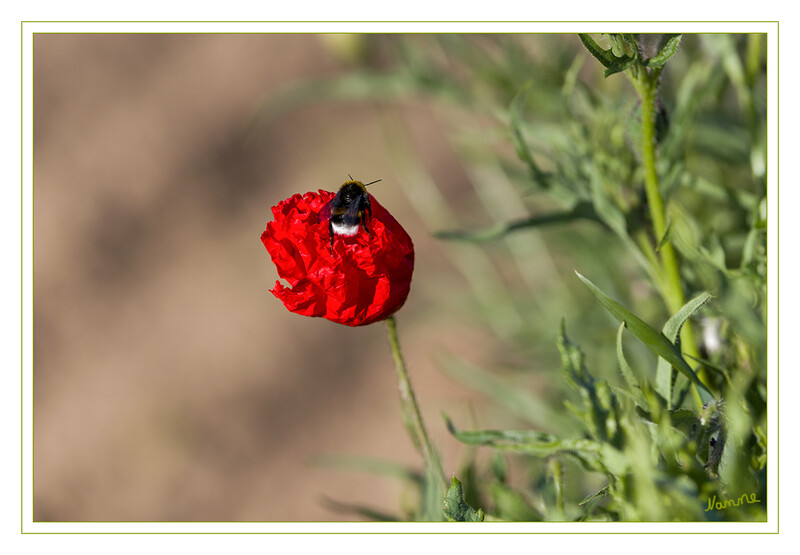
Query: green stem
x=411, y=414
x=646, y=84
x=556, y=473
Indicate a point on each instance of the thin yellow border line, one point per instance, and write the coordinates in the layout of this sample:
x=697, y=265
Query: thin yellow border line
x=21, y=276
x=402, y=21
x=778, y=276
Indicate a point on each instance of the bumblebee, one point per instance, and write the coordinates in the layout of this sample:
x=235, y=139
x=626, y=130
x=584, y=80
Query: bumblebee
x=349, y=210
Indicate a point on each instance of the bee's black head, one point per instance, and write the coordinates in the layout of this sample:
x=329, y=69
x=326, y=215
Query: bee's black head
x=352, y=191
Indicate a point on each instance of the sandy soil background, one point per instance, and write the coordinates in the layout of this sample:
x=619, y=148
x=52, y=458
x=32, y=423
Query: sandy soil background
x=169, y=383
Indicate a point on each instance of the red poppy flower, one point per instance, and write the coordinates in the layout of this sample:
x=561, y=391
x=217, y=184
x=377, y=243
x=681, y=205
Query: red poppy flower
x=364, y=279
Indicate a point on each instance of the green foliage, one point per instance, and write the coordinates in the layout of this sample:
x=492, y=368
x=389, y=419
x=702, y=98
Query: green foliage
x=656, y=341
x=660, y=464
x=663, y=439
x=646, y=172
x=668, y=47
x=456, y=508
x=626, y=50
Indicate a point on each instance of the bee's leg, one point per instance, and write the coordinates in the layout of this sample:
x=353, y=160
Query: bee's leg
x=364, y=225
x=330, y=232
x=366, y=215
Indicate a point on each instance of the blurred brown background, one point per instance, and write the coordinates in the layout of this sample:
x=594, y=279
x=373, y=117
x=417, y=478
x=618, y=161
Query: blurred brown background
x=169, y=383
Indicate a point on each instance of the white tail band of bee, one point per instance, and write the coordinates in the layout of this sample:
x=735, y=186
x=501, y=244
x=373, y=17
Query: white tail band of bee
x=346, y=230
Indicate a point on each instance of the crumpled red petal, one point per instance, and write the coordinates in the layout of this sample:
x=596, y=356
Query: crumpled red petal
x=365, y=280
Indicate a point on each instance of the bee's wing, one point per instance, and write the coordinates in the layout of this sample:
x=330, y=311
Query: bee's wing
x=325, y=211
x=351, y=215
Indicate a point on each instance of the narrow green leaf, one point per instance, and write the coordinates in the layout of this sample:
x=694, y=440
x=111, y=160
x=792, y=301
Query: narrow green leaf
x=555, y=474
x=715, y=367
x=673, y=325
x=600, y=407
x=582, y=210
x=605, y=57
x=539, y=444
x=664, y=378
x=623, y=393
x=669, y=46
x=603, y=492
x=665, y=238
x=369, y=465
x=432, y=492
x=621, y=45
x=516, y=440
x=518, y=139
x=456, y=509
x=653, y=339
x=663, y=381
x=625, y=370
x=680, y=391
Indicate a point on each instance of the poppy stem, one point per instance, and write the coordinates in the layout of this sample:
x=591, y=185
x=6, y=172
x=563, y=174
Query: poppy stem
x=411, y=414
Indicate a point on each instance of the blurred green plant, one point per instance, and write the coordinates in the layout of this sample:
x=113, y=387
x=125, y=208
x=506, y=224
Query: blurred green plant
x=656, y=191
x=662, y=455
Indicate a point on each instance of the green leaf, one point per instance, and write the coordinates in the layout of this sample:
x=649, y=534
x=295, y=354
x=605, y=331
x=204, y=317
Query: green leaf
x=432, y=491
x=671, y=330
x=715, y=367
x=456, y=509
x=587, y=451
x=605, y=57
x=674, y=324
x=369, y=465
x=603, y=492
x=653, y=339
x=555, y=474
x=619, y=65
x=618, y=44
x=684, y=420
x=518, y=139
x=472, y=481
x=600, y=412
x=625, y=369
x=613, y=62
x=582, y=210
x=665, y=238
x=663, y=381
x=669, y=45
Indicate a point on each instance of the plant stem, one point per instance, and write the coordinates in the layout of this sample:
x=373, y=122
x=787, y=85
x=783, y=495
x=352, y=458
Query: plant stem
x=646, y=85
x=411, y=414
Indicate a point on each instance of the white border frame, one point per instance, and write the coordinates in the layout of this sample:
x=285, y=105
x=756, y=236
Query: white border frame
x=28, y=29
